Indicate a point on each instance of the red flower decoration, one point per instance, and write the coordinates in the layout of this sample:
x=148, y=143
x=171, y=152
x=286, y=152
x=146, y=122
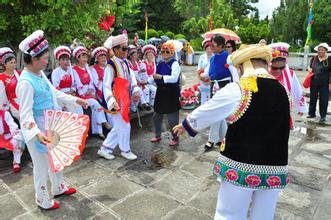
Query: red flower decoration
x=231, y=175
x=253, y=180
x=288, y=178
x=274, y=181
x=106, y=22
x=275, y=53
x=226, y=66
x=190, y=95
x=217, y=168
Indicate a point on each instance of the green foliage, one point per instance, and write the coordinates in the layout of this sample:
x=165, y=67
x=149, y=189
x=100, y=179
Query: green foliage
x=152, y=33
x=179, y=36
x=321, y=29
x=289, y=22
x=196, y=44
x=170, y=34
x=161, y=15
x=62, y=20
x=160, y=32
x=252, y=33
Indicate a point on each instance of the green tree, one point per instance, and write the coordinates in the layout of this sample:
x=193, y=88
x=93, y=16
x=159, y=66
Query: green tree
x=62, y=20
x=161, y=15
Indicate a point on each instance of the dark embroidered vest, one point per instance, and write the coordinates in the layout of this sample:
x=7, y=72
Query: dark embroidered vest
x=260, y=136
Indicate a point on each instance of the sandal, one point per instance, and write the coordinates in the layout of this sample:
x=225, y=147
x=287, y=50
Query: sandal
x=156, y=139
x=209, y=145
x=16, y=168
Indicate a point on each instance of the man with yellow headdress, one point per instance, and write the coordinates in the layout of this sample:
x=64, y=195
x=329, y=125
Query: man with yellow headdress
x=252, y=167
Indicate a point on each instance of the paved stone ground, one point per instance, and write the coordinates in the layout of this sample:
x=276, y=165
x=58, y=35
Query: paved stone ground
x=167, y=183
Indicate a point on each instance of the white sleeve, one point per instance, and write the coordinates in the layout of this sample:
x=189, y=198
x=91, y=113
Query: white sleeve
x=298, y=95
x=11, y=123
x=73, y=84
x=200, y=62
x=56, y=78
x=4, y=103
x=218, y=108
x=95, y=78
x=91, y=84
x=175, y=71
x=81, y=89
x=107, y=87
x=134, y=86
x=25, y=93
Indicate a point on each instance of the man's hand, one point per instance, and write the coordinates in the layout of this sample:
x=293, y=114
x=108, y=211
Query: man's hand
x=178, y=129
x=82, y=102
x=116, y=106
x=42, y=138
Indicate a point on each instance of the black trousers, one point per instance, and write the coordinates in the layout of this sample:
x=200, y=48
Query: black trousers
x=321, y=92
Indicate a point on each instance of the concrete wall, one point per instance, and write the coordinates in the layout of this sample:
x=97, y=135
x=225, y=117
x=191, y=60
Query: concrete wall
x=295, y=60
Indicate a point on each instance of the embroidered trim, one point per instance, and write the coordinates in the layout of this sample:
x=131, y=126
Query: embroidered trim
x=248, y=85
x=250, y=175
x=252, y=167
x=29, y=125
x=242, y=107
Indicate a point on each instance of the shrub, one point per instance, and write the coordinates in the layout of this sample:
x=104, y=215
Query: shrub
x=160, y=33
x=170, y=34
x=196, y=44
x=180, y=36
x=152, y=33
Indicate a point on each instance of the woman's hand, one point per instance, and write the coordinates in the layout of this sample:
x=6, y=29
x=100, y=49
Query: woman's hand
x=178, y=129
x=135, y=97
x=41, y=137
x=82, y=102
x=157, y=76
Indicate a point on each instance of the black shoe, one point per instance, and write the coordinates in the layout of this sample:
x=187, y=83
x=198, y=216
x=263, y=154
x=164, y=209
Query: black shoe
x=311, y=116
x=208, y=146
x=147, y=107
x=322, y=120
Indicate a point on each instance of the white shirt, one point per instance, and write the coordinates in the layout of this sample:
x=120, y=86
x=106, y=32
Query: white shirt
x=25, y=93
x=95, y=77
x=175, y=71
x=108, y=78
x=13, y=128
x=57, y=75
x=219, y=107
x=83, y=89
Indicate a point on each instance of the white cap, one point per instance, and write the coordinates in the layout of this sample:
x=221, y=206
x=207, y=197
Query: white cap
x=113, y=41
x=5, y=53
x=61, y=50
x=34, y=44
x=325, y=45
x=99, y=51
x=78, y=51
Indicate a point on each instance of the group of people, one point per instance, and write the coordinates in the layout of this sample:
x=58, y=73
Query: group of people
x=110, y=88
x=247, y=95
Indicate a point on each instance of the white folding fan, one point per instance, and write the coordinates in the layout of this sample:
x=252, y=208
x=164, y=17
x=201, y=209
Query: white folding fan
x=67, y=133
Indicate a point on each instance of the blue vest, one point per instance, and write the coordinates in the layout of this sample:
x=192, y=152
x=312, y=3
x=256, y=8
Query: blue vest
x=42, y=100
x=217, y=69
x=164, y=69
x=43, y=97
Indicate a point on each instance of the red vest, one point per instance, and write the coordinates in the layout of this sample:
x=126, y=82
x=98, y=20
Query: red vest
x=10, y=83
x=66, y=81
x=100, y=71
x=134, y=65
x=84, y=76
x=150, y=68
x=4, y=123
